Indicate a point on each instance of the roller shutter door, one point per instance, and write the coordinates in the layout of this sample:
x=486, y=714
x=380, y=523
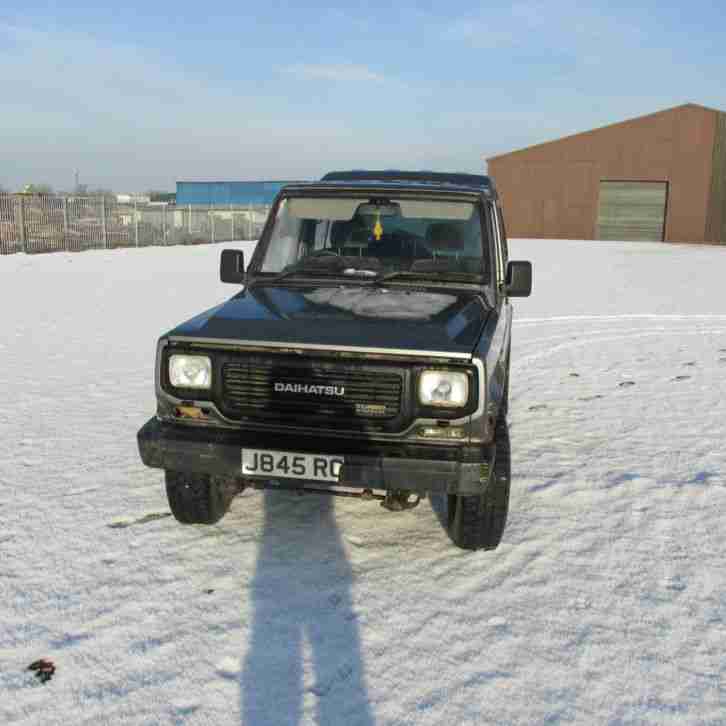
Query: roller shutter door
x=632, y=211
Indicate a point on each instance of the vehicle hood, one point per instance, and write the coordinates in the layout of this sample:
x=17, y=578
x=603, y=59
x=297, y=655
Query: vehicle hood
x=346, y=316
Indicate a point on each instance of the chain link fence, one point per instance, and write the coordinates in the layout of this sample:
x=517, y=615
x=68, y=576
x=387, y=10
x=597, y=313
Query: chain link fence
x=39, y=223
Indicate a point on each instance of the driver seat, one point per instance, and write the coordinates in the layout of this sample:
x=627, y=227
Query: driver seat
x=445, y=238
x=349, y=237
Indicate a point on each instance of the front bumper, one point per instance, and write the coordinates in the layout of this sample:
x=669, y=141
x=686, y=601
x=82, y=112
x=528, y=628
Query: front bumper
x=368, y=465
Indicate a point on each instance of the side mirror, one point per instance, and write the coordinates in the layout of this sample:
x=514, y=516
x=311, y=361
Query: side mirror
x=232, y=267
x=519, y=279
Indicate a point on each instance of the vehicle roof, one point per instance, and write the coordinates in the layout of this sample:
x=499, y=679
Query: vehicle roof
x=394, y=180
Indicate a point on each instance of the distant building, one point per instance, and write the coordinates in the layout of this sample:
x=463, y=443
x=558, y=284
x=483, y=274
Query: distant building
x=660, y=177
x=162, y=197
x=230, y=193
x=131, y=198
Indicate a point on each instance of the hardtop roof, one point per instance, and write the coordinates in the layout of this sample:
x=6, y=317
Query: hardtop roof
x=398, y=181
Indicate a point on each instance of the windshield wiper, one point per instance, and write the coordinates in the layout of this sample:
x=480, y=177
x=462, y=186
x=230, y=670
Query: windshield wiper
x=392, y=276
x=429, y=275
x=333, y=266
x=303, y=271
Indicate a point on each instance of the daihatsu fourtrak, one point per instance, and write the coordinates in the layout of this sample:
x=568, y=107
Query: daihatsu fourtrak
x=365, y=354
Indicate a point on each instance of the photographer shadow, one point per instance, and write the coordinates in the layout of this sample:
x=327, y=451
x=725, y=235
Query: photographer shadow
x=304, y=662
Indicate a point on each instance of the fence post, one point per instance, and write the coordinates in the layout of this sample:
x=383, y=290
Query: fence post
x=65, y=223
x=136, y=223
x=103, y=222
x=20, y=222
x=250, y=228
x=190, y=219
x=163, y=224
x=211, y=221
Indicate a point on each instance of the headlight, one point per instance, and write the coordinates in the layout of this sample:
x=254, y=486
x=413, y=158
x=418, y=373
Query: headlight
x=449, y=389
x=190, y=371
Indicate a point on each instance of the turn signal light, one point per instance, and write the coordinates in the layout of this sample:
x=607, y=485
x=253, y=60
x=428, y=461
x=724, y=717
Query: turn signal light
x=441, y=432
x=192, y=412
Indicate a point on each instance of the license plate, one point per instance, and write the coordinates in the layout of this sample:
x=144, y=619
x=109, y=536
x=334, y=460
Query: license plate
x=287, y=465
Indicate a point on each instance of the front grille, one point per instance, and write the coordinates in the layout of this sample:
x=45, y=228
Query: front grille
x=369, y=393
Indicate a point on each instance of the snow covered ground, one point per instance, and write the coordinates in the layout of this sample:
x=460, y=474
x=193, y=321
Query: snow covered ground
x=605, y=604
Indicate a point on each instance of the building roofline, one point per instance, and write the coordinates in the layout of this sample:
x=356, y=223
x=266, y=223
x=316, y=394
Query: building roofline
x=602, y=128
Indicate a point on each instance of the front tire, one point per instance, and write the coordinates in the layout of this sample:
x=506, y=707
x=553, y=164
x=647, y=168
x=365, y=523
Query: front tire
x=478, y=521
x=198, y=498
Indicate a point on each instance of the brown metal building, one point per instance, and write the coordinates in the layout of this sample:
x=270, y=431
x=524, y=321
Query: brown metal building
x=657, y=177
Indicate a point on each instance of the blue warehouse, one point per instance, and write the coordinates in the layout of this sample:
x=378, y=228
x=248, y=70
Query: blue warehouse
x=229, y=193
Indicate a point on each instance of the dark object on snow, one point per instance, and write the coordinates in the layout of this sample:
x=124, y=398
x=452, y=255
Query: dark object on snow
x=44, y=669
x=366, y=356
x=400, y=500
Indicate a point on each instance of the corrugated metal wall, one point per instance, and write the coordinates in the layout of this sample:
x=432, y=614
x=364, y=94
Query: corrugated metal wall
x=716, y=222
x=632, y=211
x=210, y=194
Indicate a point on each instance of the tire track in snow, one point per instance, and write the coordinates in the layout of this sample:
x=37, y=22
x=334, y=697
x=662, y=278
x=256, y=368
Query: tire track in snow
x=526, y=322
x=521, y=361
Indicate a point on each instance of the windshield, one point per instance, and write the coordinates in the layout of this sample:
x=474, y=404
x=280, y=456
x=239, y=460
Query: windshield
x=378, y=236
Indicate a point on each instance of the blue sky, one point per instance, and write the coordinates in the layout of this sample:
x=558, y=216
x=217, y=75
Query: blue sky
x=143, y=94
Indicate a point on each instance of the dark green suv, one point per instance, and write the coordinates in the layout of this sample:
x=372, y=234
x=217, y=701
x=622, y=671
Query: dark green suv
x=366, y=354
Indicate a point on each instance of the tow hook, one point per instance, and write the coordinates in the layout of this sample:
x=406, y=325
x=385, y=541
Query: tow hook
x=398, y=500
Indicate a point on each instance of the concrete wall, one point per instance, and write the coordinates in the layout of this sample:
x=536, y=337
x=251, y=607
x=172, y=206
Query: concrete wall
x=551, y=190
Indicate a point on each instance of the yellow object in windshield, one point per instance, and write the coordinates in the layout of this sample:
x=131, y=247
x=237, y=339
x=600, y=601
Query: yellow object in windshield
x=378, y=229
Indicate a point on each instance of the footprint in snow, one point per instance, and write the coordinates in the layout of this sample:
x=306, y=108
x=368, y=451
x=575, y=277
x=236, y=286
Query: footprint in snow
x=580, y=603
x=185, y=708
x=537, y=407
x=574, y=375
x=681, y=378
x=69, y=640
x=591, y=398
x=675, y=583
x=142, y=647
x=229, y=667
x=689, y=364
x=626, y=384
x=341, y=675
x=497, y=622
